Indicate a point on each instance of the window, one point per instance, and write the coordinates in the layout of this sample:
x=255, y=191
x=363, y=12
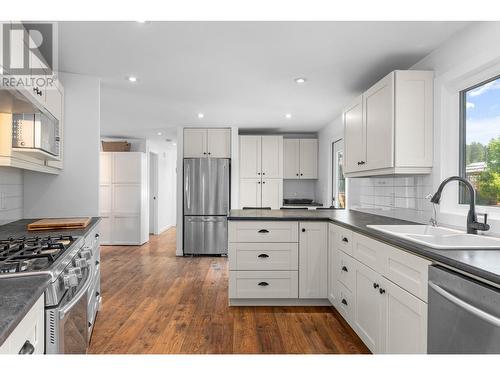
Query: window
x=338, y=179
x=480, y=141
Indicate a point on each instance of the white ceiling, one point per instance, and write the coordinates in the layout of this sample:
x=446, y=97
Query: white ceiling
x=238, y=73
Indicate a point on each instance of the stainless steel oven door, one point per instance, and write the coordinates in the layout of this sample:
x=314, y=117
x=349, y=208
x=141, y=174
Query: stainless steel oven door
x=67, y=324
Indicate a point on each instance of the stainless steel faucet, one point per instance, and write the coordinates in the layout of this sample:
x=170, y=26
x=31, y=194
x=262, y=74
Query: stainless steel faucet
x=472, y=224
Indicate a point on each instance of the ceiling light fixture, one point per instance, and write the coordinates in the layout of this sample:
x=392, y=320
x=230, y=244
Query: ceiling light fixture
x=201, y=115
x=132, y=79
x=159, y=133
x=300, y=80
x=288, y=115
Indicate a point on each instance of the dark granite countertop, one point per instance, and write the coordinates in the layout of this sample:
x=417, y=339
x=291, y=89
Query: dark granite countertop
x=484, y=264
x=17, y=296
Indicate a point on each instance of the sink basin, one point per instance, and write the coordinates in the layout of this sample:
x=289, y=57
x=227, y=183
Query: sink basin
x=439, y=237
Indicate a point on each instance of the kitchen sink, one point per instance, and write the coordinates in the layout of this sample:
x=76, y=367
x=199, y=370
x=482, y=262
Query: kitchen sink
x=439, y=237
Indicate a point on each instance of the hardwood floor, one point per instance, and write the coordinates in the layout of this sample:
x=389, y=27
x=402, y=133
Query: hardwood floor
x=155, y=302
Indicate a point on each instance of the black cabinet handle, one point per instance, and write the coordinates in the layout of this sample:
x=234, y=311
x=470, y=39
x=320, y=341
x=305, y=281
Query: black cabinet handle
x=27, y=348
x=263, y=173
x=209, y=153
x=258, y=173
x=301, y=174
x=263, y=231
x=263, y=256
x=345, y=239
x=258, y=182
x=297, y=174
x=361, y=162
x=344, y=268
x=97, y=294
x=382, y=291
x=96, y=262
x=90, y=324
x=375, y=286
x=263, y=283
x=97, y=235
x=303, y=229
x=344, y=301
x=204, y=153
x=263, y=182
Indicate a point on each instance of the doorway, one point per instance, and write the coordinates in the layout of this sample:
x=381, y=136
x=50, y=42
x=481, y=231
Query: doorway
x=153, y=193
x=338, y=179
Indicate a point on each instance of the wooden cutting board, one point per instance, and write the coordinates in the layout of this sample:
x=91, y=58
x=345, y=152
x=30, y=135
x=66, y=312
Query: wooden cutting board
x=54, y=224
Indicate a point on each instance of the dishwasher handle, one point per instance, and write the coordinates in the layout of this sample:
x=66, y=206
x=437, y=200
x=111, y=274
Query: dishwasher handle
x=464, y=305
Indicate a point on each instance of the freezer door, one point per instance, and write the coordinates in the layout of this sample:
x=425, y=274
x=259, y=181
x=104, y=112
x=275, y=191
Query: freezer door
x=464, y=314
x=206, y=186
x=205, y=235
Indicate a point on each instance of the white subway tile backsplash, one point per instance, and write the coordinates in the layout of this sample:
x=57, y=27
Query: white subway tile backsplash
x=11, y=194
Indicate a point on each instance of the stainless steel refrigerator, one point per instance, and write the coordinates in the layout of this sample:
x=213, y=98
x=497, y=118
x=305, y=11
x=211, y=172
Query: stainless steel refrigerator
x=206, y=205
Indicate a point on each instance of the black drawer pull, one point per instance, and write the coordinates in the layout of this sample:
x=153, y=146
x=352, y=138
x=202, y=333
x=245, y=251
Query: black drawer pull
x=263, y=256
x=96, y=262
x=344, y=268
x=97, y=235
x=263, y=231
x=344, y=301
x=90, y=324
x=375, y=286
x=97, y=294
x=382, y=291
x=345, y=239
x=263, y=283
x=27, y=348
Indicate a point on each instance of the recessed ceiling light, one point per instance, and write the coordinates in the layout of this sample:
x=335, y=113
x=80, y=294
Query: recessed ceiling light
x=288, y=115
x=300, y=80
x=159, y=133
x=201, y=115
x=132, y=79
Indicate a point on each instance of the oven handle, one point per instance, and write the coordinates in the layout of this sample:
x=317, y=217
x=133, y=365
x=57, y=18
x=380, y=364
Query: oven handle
x=64, y=310
x=466, y=306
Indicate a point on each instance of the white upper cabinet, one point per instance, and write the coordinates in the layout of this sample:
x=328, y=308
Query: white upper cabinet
x=388, y=130
x=313, y=260
x=300, y=158
x=272, y=156
x=250, y=156
x=200, y=143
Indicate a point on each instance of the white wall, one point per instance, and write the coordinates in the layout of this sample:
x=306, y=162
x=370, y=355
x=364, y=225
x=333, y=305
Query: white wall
x=167, y=180
x=11, y=194
x=75, y=191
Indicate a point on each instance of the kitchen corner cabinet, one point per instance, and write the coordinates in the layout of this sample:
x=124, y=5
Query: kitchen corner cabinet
x=261, y=171
x=202, y=142
x=300, y=158
x=313, y=264
x=388, y=129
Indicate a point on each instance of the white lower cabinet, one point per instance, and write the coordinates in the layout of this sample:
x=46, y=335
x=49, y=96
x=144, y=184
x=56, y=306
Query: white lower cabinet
x=29, y=335
x=263, y=284
x=313, y=264
x=380, y=291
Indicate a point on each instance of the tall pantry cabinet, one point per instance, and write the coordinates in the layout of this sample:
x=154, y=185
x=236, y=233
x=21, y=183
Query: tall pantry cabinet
x=123, y=198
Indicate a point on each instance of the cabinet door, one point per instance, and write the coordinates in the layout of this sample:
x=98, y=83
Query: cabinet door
x=106, y=168
x=219, y=143
x=250, y=192
x=250, y=156
x=378, y=106
x=368, y=306
x=291, y=158
x=313, y=264
x=333, y=263
x=272, y=193
x=354, y=136
x=308, y=158
x=105, y=226
x=272, y=156
x=127, y=167
x=126, y=230
x=404, y=323
x=195, y=143
x=54, y=102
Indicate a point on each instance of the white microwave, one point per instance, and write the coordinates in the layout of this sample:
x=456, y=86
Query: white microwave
x=36, y=133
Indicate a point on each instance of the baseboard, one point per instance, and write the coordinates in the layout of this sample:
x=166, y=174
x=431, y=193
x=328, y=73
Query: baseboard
x=279, y=302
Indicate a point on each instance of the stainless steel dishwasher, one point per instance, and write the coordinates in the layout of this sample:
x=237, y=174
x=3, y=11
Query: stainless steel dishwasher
x=463, y=315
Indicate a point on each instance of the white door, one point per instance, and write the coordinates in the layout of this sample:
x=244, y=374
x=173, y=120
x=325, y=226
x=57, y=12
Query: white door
x=378, y=106
x=308, y=158
x=153, y=193
x=291, y=158
x=272, y=156
x=313, y=264
x=195, y=143
x=250, y=156
x=354, y=136
x=404, y=323
x=272, y=193
x=219, y=143
x=250, y=192
x=368, y=306
x=333, y=262
x=127, y=167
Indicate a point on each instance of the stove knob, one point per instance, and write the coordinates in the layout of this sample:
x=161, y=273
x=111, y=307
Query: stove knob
x=82, y=263
x=70, y=280
x=76, y=271
x=86, y=254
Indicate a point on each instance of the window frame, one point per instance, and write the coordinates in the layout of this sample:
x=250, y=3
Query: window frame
x=462, y=138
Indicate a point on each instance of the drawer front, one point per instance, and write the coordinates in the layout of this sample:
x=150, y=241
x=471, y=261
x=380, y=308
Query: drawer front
x=263, y=284
x=263, y=256
x=369, y=252
x=408, y=271
x=344, y=239
x=263, y=231
x=346, y=270
x=345, y=302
